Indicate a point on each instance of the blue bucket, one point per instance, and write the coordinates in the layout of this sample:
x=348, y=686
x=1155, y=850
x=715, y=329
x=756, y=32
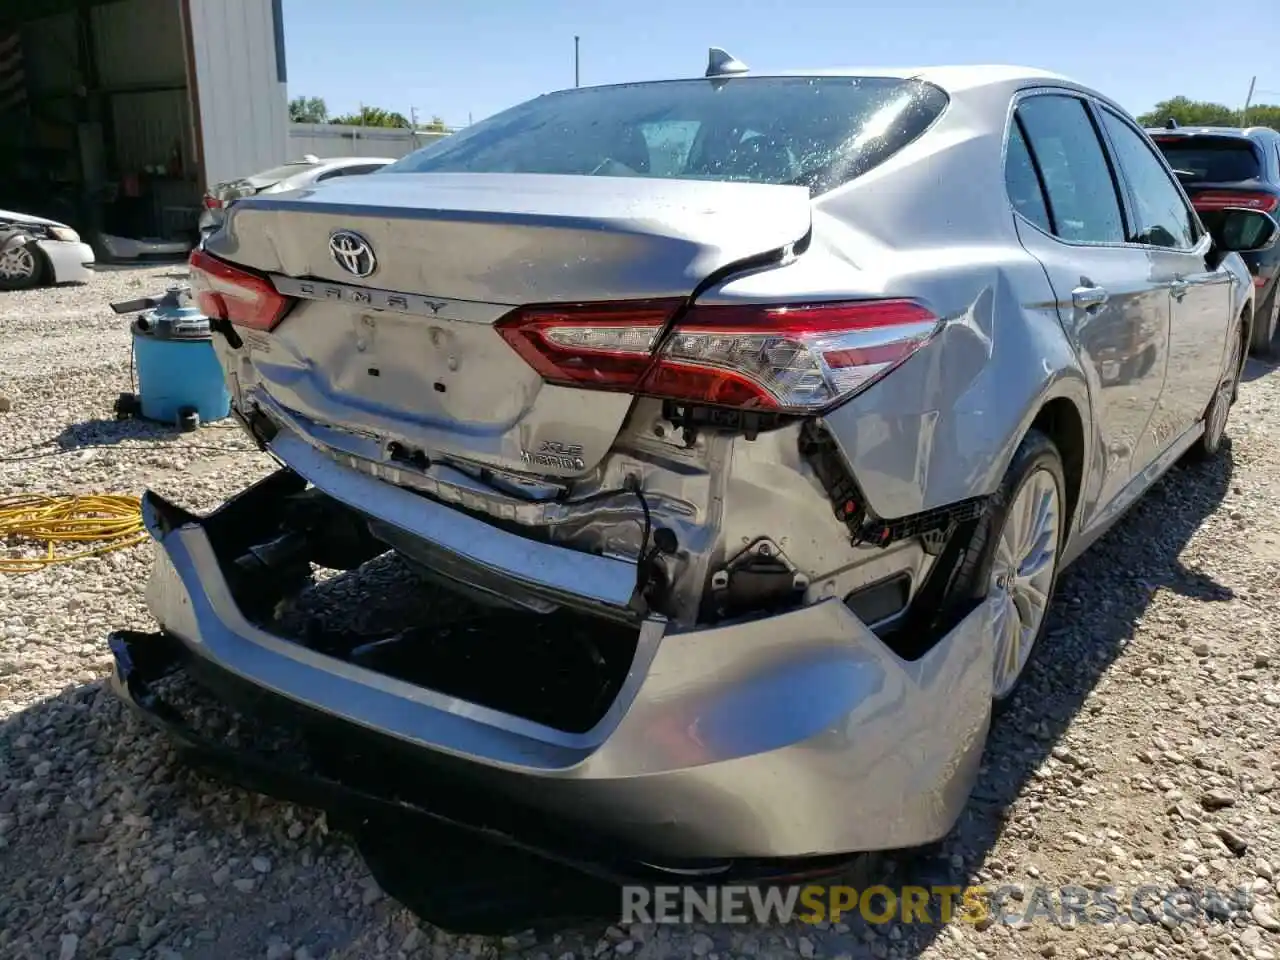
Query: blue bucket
x=178, y=371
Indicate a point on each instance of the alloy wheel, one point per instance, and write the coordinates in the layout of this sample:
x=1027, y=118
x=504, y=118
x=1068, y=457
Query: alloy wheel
x=1022, y=574
x=17, y=263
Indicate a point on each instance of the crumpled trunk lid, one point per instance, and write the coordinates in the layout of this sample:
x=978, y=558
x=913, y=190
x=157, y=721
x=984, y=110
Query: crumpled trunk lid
x=406, y=358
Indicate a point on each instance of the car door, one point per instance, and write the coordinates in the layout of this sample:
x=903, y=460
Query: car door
x=1162, y=220
x=1114, y=307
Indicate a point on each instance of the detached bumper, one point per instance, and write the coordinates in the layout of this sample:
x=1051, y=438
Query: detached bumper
x=71, y=262
x=798, y=735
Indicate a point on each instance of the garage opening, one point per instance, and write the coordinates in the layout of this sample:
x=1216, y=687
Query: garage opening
x=99, y=120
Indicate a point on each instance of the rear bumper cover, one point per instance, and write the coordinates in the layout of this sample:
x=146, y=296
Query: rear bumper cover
x=796, y=735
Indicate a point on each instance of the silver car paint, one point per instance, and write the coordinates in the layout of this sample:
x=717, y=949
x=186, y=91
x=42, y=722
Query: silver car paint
x=768, y=749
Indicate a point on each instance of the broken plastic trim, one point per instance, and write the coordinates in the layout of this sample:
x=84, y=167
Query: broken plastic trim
x=935, y=526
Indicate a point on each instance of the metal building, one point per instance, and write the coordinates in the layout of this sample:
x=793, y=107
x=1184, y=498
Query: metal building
x=116, y=115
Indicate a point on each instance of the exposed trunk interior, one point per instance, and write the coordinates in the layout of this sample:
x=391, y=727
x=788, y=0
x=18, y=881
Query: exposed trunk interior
x=305, y=568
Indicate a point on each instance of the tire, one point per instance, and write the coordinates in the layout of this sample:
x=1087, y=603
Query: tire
x=985, y=570
x=21, y=267
x=1219, y=409
x=1264, y=324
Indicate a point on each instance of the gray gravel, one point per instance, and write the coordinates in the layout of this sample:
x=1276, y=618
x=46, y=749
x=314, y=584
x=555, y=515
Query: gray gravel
x=1142, y=751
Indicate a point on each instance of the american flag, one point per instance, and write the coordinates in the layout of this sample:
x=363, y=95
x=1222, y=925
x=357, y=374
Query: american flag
x=13, y=78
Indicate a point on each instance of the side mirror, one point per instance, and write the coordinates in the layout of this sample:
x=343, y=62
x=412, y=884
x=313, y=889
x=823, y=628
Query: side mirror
x=1240, y=230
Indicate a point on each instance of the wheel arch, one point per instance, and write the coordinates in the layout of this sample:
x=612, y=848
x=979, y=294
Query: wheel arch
x=1061, y=421
x=1063, y=413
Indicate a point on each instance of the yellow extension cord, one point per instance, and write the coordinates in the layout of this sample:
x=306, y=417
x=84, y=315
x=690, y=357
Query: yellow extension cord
x=110, y=522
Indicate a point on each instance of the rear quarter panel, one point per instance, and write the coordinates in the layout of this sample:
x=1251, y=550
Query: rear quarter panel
x=934, y=223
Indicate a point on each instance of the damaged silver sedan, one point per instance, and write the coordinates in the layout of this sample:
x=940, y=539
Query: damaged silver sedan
x=761, y=411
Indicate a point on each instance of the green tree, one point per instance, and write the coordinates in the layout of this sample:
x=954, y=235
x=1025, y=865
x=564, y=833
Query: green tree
x=436, y=125
x=372, y=117
x=308, y=110
x=1202, y=113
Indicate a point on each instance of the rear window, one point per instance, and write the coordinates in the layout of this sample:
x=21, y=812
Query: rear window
x=1220, y=160
x=817, y=132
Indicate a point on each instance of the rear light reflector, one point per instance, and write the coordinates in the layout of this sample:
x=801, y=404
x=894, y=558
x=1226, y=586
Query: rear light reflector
x=1211, y=200
x=788, y=359
x=225, y=292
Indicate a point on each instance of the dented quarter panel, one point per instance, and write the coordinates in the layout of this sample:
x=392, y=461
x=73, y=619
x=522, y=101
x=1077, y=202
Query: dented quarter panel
x=944, y=425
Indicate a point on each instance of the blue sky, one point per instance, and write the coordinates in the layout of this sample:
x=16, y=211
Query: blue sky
x=475, y=57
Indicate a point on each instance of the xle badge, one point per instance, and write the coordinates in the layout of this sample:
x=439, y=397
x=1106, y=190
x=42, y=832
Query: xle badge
x=561, y=456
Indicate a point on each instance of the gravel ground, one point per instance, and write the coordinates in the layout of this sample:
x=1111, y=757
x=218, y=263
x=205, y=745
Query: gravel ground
x=1141, y=752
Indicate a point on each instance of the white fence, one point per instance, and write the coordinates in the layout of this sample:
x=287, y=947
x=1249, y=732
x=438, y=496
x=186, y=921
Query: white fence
x=334, y=140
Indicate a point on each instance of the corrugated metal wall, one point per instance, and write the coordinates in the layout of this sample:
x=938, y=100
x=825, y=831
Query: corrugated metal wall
x=332, y=140
x=141, y=60
x=139, y=43
x=244, y=109
x=49, y=46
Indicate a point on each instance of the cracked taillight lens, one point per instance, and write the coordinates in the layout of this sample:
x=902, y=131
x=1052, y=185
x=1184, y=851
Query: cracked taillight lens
x=792, y=358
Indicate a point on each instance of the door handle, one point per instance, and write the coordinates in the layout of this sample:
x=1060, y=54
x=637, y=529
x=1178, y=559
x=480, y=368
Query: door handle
x=1088, y=298
x=1178, y=288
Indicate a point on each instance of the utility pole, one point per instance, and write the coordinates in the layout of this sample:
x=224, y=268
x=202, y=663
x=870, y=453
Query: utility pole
x=576, y=82
x=1244, y=116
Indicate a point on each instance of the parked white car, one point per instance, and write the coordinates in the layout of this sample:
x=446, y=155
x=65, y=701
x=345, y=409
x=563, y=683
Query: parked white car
x=294, y=175
x=34, y=250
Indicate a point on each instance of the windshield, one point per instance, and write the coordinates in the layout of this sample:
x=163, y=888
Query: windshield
x=814, y=131
x=1221, y=160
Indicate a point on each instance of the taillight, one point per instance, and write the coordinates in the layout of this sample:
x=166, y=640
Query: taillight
x=211, y=202
x=603, y=345
x=224, y=292
x=795, y=358
x=1211, y=200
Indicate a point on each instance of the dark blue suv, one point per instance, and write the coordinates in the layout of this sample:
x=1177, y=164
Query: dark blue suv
x=1222, y=167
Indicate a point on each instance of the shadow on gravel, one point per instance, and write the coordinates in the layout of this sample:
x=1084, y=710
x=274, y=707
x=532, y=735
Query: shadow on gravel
x=105, y=433
x=99, y=433
x=1099, y=604
x=1255, y=369
x=105, y=837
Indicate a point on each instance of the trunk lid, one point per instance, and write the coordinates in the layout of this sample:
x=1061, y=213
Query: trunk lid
x=406, y=358
x=519, y=238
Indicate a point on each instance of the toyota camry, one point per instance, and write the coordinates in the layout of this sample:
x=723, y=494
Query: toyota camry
x=754, y=418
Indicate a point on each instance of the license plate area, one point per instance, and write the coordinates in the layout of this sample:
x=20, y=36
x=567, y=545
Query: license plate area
x=438, y=369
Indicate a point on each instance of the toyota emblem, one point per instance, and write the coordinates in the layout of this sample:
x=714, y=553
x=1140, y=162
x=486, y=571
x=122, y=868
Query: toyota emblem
x=352, y=253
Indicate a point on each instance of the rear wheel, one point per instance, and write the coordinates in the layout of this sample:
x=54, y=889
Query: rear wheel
x=20, y=267
x=1024, y=569
x=1219, y=409
x=1013, y=558
x=1264, y=325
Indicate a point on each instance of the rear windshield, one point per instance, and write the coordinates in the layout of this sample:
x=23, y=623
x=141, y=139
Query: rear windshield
x=1216, y=160
x=817, y=132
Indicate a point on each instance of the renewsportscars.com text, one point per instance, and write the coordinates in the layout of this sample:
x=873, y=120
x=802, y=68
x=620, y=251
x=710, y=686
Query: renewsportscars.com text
x=939, y=904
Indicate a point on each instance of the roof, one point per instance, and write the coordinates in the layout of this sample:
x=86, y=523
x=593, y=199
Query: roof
x=1199, y=131
x=957, y=77
x=950, y=78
